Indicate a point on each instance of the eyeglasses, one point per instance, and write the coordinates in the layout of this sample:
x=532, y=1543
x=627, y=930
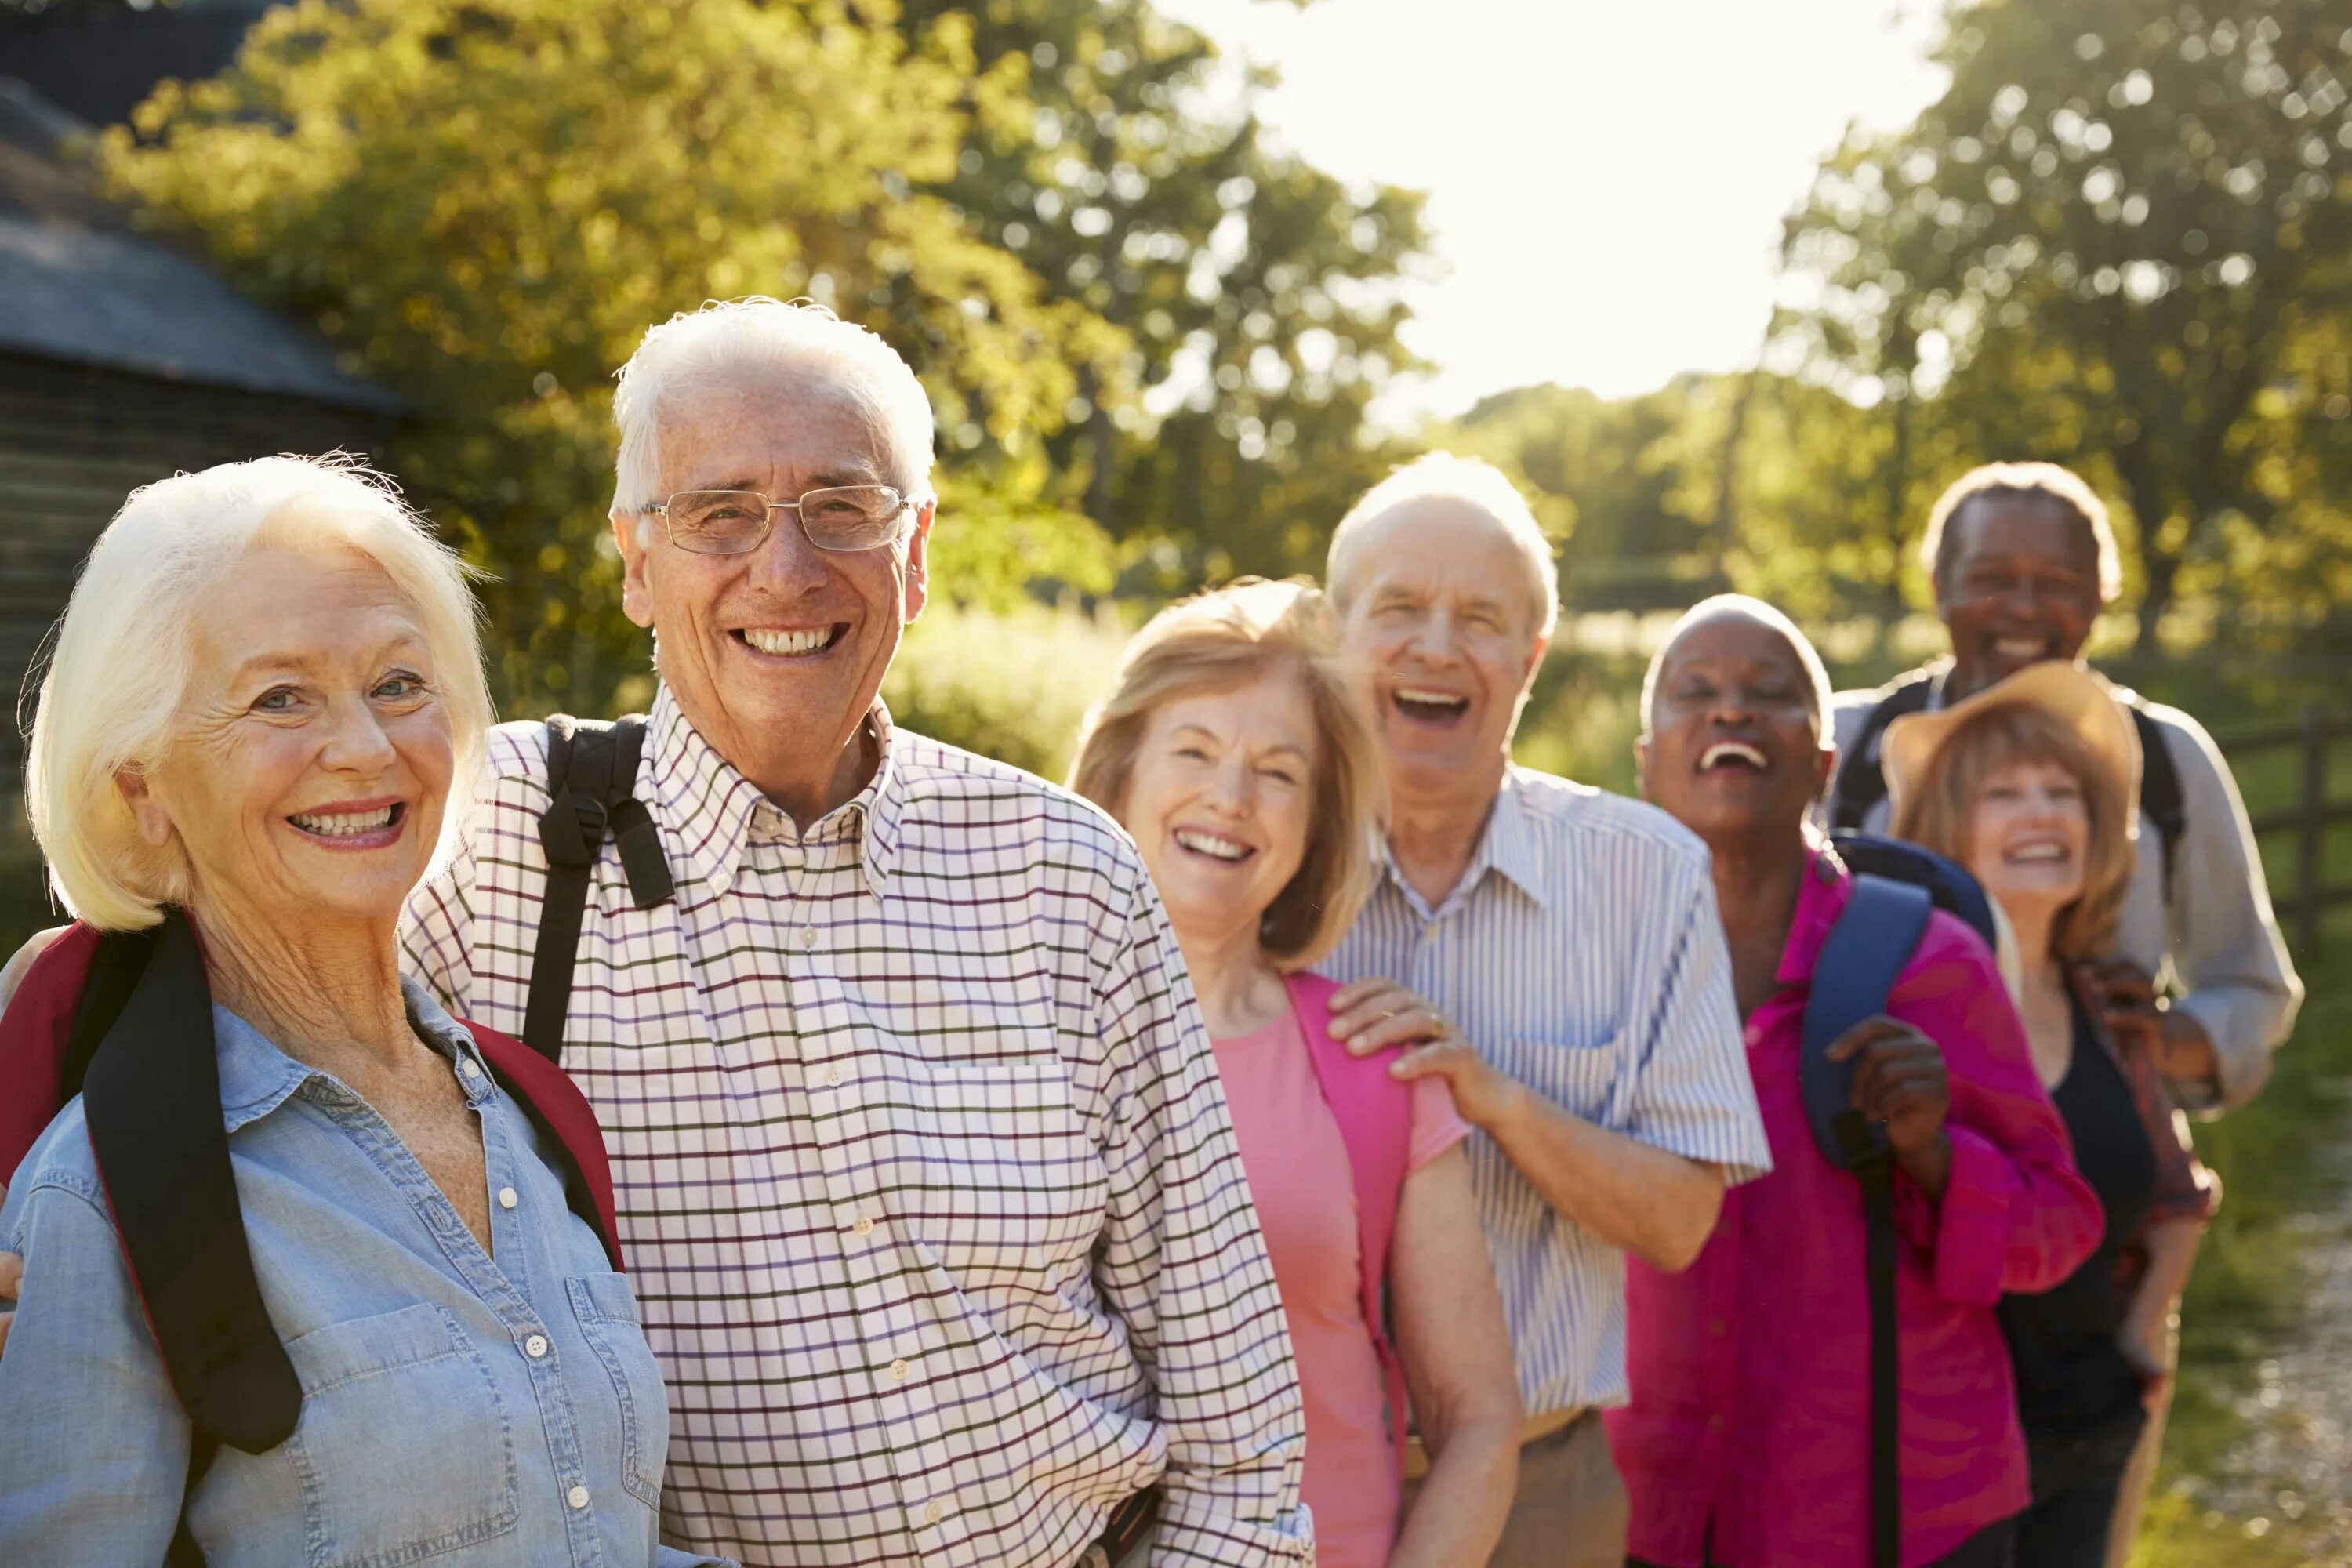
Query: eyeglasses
x=736, y=523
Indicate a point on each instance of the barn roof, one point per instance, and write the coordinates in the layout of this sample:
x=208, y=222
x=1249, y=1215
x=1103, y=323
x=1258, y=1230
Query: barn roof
x=78, y=285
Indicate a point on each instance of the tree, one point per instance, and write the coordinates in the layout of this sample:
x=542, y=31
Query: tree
x=486, y=202
x=1257, y=293
x=2110, y=243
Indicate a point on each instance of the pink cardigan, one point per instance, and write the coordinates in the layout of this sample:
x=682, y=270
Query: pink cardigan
x=1375, y=1116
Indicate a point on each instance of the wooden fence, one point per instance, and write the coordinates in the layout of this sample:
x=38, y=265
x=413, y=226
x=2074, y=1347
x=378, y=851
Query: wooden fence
x=2304, y=902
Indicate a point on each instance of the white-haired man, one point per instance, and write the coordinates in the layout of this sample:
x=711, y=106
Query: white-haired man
x=925, y=1178
x=1560, y=964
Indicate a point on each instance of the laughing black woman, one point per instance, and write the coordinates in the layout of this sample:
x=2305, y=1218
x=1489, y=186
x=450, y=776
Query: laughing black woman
x=1748, y=1439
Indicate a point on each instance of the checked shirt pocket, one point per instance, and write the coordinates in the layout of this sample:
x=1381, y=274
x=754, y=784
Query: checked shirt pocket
x=404, y=1449
x=998, y=1178
x=607, y=1309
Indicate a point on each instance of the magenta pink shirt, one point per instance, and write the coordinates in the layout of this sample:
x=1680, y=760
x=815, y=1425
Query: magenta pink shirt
x=1306, y=1198
x=1751, y=1372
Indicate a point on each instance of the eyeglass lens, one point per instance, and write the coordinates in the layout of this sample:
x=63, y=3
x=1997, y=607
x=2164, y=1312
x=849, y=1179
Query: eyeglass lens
x=731, y=522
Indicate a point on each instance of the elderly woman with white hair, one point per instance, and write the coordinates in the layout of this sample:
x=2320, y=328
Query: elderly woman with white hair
x=318, y=1275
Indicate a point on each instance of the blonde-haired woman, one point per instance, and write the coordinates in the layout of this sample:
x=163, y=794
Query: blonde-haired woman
x=1232, y=747
x=2029, y=783
x=360, y=1317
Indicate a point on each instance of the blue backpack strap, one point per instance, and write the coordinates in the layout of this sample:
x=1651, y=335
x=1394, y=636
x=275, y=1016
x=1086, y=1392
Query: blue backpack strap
x=1864, y=954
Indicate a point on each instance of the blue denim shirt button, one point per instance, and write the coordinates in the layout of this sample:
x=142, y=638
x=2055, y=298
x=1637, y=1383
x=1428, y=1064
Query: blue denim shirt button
x=535, y=1346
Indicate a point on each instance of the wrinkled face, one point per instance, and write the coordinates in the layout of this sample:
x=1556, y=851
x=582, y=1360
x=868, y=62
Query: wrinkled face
x=1219, y=800
x=2022, y=585
x=1441, y=620
x=1735, y=745
x=783, y=646
x=2030, y=838
x=312, y=763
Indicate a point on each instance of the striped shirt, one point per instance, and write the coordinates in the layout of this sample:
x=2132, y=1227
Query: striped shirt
x=1582, y=955
x=922, y=1166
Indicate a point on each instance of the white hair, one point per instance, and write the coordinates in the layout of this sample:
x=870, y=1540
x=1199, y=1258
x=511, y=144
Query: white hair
x=1442, y=475
x=117, y=677
x=730, y=344
x=1817, y=676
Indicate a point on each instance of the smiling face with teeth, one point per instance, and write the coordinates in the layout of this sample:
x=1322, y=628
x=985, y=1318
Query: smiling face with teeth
x=776, y=656
x=1733, y=737
x=2029, y=839
x=2020, y=585
x=313, y=762
x=1218, y=800
x=1441, y=619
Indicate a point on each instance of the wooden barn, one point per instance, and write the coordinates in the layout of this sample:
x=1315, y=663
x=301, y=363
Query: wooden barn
x=122, y=361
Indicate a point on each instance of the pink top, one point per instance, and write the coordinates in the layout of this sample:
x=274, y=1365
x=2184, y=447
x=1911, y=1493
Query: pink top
x=1751, y=1372
x=1306, y=1198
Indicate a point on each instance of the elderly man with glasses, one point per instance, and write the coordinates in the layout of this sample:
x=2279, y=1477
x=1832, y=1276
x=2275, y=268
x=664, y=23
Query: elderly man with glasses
x=924, y=1174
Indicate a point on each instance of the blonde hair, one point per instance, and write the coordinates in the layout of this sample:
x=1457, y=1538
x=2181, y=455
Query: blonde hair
x=2048, y=480
x=1480, y=486
x=1224, y=639
x=122, y=662
x=1939, y=812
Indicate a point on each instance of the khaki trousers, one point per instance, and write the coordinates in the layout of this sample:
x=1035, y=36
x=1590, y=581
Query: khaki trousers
x=1571, y=1511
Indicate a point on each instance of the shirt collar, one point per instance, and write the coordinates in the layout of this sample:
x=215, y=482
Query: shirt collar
x=711, y=812
x=257, y=1077
x=1507, y=845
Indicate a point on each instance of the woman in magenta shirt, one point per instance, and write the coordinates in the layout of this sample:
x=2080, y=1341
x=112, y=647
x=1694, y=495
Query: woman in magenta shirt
x=1232, y=748
x=1747, y=1441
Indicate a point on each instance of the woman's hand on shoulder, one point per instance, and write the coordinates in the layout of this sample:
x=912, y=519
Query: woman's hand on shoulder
x=1374, y=1015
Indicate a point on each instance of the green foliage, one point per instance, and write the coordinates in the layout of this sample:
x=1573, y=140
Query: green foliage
x=1256, y=293
x=1010, y=685
x=488, y=201
x=2119, y=241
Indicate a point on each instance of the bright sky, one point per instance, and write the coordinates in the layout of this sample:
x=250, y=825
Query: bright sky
x=1606, y=177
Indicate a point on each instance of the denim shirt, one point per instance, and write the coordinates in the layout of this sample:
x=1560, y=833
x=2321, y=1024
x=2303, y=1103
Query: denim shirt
x=467, y=1407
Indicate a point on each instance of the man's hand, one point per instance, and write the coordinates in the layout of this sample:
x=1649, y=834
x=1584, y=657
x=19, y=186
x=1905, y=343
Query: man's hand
x=1373, y=1015
x=12, y=974
x=1899, y=1080
x=2125, y=996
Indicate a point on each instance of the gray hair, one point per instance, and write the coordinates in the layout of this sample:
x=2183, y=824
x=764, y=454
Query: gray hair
x=123, y=659
x=728, y=343
x=1442, y=475
x=2048, y=480
x=1817, y=675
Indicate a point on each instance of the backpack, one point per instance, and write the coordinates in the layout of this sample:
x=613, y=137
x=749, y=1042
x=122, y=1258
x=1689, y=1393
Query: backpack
x=591, y=780
x=107, y=1016
x=116, y=1017
x=1896, y=887
x=1860, y=782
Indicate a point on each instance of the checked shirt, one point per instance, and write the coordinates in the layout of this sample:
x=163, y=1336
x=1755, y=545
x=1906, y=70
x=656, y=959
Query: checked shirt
x=924, y=1174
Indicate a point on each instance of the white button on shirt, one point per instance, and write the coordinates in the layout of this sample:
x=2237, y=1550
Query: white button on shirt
x=577, y=1496
x=506, y=1198
x=993, y=1006
x=535, y=1346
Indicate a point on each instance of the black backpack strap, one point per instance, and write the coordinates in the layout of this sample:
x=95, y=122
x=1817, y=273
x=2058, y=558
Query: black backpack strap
x=2162, y=807
x=1864, y=955
x=1860, y=784
x=591, y=780
x=152, y=1099
x=183, y=1551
